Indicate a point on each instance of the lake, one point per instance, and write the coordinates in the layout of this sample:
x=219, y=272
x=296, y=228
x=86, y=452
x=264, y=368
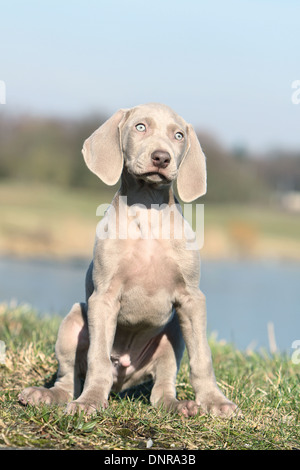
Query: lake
x=242, y=296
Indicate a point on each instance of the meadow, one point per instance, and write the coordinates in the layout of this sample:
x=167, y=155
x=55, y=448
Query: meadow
x=266, y=388
x=50, y=221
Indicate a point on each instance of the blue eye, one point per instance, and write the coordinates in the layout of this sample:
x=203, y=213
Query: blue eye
x=140, y=127
x=178, y=136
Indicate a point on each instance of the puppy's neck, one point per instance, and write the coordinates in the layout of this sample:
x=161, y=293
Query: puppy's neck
x=139, y=191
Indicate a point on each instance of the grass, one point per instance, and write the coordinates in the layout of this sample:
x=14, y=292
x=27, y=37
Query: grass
x=265, y=387
x=43, y=220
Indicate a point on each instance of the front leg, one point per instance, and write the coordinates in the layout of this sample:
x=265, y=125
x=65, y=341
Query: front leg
x=102, y=316
x=191, y=310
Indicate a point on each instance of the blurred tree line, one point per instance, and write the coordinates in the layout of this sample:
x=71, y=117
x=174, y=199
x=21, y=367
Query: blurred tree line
x=37, y=149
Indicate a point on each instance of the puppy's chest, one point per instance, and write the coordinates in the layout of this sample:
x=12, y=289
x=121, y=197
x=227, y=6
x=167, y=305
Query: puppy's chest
x=147, y=276
x=150, y=265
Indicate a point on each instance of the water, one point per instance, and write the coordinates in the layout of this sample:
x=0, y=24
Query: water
x=242, y=296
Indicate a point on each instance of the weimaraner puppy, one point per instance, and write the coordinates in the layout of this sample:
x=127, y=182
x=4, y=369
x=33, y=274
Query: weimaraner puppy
x=143, y=303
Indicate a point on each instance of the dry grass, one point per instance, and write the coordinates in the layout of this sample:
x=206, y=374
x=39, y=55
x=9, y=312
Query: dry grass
x=266, y=389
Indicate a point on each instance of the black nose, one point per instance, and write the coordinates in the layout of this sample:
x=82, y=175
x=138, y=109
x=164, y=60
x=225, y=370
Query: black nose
x=160, y=158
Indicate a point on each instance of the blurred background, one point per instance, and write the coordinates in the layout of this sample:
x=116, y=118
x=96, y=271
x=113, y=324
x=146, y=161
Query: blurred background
x=229, y=68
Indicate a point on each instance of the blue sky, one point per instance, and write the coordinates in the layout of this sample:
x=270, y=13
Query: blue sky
x=225, y=66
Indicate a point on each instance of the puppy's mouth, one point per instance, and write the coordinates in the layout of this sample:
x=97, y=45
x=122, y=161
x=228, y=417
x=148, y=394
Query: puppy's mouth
x=154, y=177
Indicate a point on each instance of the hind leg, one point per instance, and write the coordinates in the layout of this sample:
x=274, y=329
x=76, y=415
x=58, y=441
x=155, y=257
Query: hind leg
x=71, y=352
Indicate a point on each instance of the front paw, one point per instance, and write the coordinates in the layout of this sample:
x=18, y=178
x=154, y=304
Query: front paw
x=85, y=406
x=221, y=407
x=225, y=410
x=187, y=408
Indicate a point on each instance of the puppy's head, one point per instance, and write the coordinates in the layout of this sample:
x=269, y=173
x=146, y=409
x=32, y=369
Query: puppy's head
x=154, y=143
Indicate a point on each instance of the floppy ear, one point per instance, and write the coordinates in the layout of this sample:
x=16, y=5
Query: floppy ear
x=102, y=151
x=191, y=179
